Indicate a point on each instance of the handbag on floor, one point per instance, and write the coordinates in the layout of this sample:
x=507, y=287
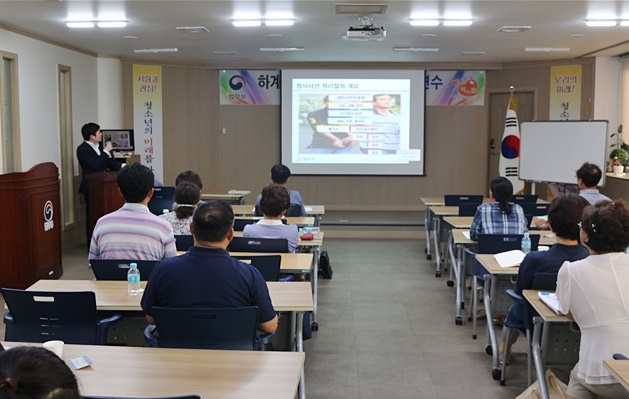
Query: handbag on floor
x=325, y=269
x=556, y=388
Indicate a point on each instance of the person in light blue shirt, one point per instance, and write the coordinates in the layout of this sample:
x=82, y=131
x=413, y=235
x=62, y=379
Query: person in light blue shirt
x=274, y=204
x=280, y=175
x=588, y=177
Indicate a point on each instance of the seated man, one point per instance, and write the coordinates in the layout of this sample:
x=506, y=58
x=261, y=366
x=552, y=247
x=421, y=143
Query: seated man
x=274, y=204
x=588, y=177
x=133, y=232
x=280, y=175
x=206, y=276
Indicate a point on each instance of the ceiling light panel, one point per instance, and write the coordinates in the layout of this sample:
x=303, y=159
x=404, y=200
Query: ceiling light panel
x=424, y=22
x=247, y=23
x=457, y=22
x=360, y=8
x=80, y=24
x=279, y=22
x=112, y=24
x=417, y=49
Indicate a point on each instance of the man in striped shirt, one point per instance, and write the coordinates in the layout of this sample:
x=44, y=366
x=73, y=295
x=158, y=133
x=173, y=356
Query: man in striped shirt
x=133, y=232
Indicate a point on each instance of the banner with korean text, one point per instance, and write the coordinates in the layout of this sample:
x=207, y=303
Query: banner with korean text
x=249, y=87
x=147, y=117
x=455, y=88
x=565, y=93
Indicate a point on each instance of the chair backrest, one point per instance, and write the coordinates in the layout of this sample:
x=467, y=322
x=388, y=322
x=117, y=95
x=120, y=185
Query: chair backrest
x=239, y=224
x=251, y=244
x=267, y=265
x=535, y=209
x=496, y=243
x=229, y=328
x=529, y=219
x=116, y=269
x=468, y=208
x=456, y=199
x=293, y=210
x=163, y=198
x=545, y=281
x=520, y=198
x=184, y=242
x=40, y=316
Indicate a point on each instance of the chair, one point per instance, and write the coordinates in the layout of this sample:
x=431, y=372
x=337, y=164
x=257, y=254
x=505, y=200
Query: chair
x=205, y=328
x=239, y=224
x=535, y=209
x=293, y=210
x=530, y=198
x=619, y=356
x=268, y=265
x=468, y=208
x=116, y=269
x=455, y=199
x=167, y=397
x=183, y=242
x=163, y=198
x=250, y=244
x=543, y=282
x=39, y=316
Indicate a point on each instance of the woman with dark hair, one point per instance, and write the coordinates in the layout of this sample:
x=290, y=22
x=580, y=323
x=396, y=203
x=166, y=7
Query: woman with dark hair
x=594, y=292
x=563, y=217
x=501, y=216
x=187, y=196
x=28, y=372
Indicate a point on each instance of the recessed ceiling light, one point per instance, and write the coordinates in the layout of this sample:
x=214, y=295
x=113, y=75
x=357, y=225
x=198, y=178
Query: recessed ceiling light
x=513, y=29
x=276, y=35
x=192, y=29
x=80, y=24
x=247, y=23
x=601, y=22
x=281, y=49
x=424, y=22
x=155, y=50
x=457, y=22
x=360, y=8
x=577, y=35
x=547, y=49
x=224, y=52
x=279, y=22
x=417, y=49
x=473, y=53
x=429, y=35
x=112, y=24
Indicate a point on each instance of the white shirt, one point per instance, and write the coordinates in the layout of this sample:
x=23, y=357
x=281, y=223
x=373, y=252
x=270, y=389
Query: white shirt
x=596, y=291
x=95, y=148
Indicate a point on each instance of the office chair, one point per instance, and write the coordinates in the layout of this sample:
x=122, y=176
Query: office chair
x=468, y=208
x=206, y=328
x=116, y=269
x=163, y=198
x=239, y=224
x=535, y=209
x=183, y=242
x=528, y=198
x=542, y=282
x=456, y=199
x=250, y=244
x=293, y=210
x=619, y=356
x=39, y=316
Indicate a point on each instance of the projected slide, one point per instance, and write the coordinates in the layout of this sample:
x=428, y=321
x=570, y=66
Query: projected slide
x=353, y=122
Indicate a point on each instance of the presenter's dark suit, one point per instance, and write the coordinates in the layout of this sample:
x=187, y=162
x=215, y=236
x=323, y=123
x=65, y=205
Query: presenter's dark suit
x=90, y=163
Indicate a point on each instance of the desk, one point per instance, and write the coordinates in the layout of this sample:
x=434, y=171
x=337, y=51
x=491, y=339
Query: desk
x=554, y=343
x=292, y=297
x=232, y=198
x=291, y=263
x=619, y=369
x=213, y=374
x=311, y=210
x=301, y=221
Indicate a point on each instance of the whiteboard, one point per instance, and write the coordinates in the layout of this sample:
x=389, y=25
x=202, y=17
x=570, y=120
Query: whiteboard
x=552, y=151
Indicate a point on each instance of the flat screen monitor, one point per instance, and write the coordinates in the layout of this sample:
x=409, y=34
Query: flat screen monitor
x=121, y=139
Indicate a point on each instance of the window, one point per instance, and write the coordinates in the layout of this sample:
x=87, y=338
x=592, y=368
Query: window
x=9, y=114
x=66, y=170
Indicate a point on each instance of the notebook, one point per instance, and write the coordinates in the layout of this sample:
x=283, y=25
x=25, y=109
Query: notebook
x=510, y=258
x=550, y=300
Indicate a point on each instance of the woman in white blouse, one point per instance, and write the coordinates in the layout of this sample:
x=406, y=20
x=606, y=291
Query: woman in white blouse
x=594, y=292
x=187, y=196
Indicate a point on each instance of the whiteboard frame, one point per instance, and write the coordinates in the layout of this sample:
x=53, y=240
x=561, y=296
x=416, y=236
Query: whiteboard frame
x=552, y=151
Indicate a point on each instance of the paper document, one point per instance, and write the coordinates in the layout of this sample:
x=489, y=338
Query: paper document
x=238, y=192
x=466, y=234
x=550, y=299
x=308, y=208
x=510, y=258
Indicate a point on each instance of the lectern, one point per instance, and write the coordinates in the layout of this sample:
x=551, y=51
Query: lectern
x=30, y=237
x=103, y=194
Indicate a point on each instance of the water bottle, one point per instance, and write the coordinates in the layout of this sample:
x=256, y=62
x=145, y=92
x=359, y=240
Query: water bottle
x=133, y=280
x=526, y=243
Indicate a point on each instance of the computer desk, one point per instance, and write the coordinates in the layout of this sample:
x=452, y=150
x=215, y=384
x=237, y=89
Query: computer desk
x=555, y=342
x=619, y=369
x=294, y=297
x=233, y=198
x=311, y=210
x=124, y=371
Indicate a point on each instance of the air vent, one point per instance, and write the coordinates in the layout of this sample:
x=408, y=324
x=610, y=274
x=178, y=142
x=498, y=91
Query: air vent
x=513, y=29
x=361, y=8
x=192, y=29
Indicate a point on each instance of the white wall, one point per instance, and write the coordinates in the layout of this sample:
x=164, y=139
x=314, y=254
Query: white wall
x=38, y=98
x=607, y=91
x=110, y=109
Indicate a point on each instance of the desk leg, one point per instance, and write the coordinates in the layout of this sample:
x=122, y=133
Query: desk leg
x=488, y=292
x=317, y=221
x=538, y=323
x=315, y=286
x=299, y=346
x=437, y=233
x=460, y=283
x=453, y=260
x=427, y=225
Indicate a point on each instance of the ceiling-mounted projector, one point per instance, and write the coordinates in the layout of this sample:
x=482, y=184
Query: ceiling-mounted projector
x=366, y=31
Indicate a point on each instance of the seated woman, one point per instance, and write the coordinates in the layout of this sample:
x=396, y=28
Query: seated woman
x=501, y=216
x=274, y=203
x=594, y=292
x=35, y=373
x=187, y=196
x=563, y=217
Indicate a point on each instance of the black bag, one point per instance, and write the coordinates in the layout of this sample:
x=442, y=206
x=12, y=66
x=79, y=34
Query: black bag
x=325, y=269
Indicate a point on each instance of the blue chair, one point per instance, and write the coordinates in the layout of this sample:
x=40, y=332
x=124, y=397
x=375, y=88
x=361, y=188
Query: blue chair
x=250, y=244
x=163, y=198
x=542, y=282
x=116, y=269
x=267, y=265
x=183, y=242
x=206, y=328
x=239, y=224
x=39, y=316
x=456, y=199
x=468, y=208
x=520, y=198
x=535, y=209
x=293, y=210
x=619, y=356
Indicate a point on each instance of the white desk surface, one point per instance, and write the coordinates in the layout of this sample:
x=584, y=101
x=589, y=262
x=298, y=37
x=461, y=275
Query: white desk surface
x=314, y=210
x=295, y=296
x=123, y=371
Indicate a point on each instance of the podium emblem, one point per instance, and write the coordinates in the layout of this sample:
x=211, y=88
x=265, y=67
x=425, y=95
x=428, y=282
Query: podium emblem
x=49, y=224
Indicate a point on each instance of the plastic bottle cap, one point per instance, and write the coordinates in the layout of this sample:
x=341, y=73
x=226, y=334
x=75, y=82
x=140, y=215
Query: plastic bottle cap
x=133, y=265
